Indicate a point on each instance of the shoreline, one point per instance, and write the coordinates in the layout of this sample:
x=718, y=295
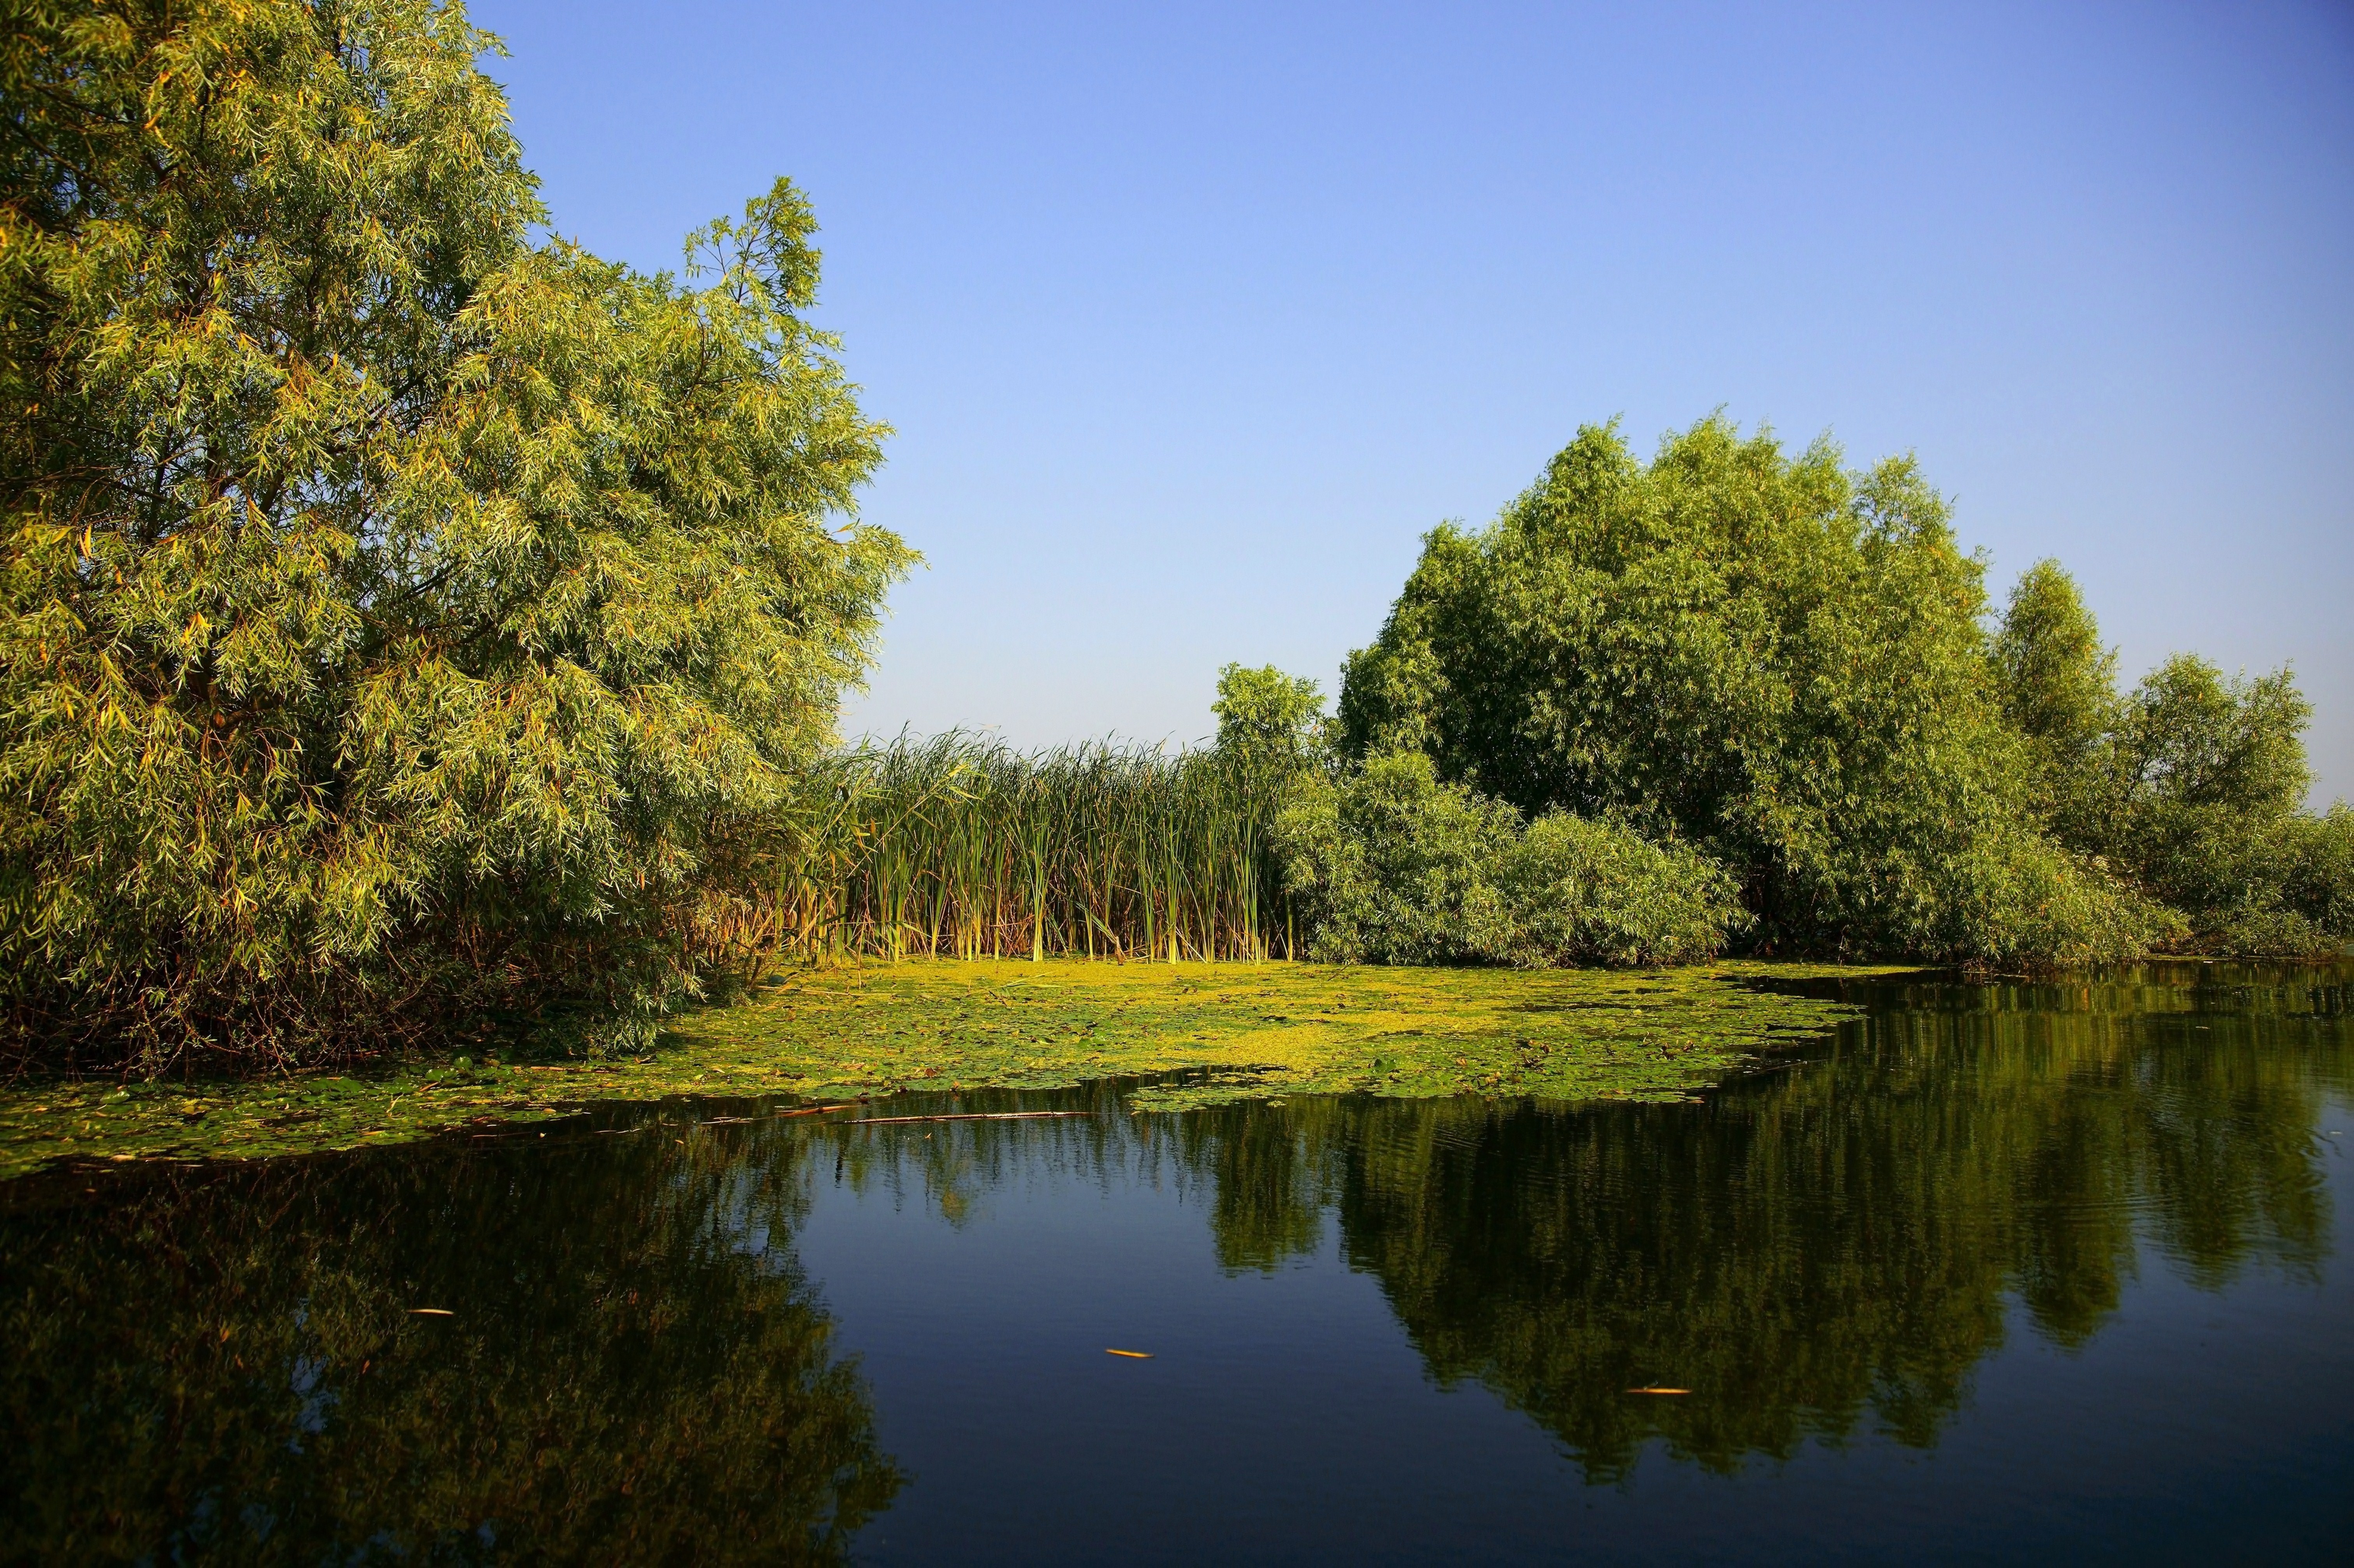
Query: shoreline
x=1254, y=1030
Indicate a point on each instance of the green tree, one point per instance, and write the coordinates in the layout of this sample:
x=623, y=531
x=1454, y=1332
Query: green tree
x=2058, y=687
x=1270, y=722
x=2191, y=787
x=403, y=617
x=2210, y=774
x=2058, y=684
x=1768, y=657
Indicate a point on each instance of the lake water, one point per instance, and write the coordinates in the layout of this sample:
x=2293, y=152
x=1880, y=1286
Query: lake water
x=2015, y=1272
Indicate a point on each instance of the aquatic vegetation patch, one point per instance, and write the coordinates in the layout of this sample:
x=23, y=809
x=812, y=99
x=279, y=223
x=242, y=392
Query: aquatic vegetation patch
x=1224, y=1031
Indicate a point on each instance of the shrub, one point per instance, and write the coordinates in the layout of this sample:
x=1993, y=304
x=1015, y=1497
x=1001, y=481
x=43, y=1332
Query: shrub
x=2318, y=871
x=2029, y=904
x=1388, y=864
x=1598, y=892
x=2294, y=895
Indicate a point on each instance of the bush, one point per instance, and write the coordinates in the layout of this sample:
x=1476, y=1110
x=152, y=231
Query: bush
x=2031, y=904
x=2294, y=896
x=2317, y=871
x=1388, y=864
x=1598, y=892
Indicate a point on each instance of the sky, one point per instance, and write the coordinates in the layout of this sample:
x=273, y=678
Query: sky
x=1192, y=319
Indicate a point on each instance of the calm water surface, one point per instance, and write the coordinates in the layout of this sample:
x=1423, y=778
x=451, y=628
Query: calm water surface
x=1998, y=1273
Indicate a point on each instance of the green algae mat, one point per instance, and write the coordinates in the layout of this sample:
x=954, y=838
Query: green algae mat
x=1229, y=1031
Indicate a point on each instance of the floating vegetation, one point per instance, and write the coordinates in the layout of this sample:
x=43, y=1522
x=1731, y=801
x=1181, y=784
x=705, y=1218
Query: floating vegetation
x=1209, y=1034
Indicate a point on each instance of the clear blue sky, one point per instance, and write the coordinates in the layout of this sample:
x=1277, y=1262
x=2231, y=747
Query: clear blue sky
x=1191, y=318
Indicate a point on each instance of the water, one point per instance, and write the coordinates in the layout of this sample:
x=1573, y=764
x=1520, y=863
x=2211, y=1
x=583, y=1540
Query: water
x=1998, y=1273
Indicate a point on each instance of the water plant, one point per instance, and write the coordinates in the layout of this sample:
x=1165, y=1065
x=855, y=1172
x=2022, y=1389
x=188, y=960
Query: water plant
x=960, y=846
x=1208, y=1033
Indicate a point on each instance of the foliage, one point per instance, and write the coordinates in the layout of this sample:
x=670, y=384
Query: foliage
x=2314, y=859
x=2057, y=683
x=1769, y=658
x=2058, y=689
x=412, y=629
x=1389, y=865
x=2207, y=774
x=2029, y=904
x=1269, y=722
x=403, y=619
x=1588, y=890
x=2191, y=787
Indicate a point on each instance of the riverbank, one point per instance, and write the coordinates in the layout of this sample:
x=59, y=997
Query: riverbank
x=1239, y=1030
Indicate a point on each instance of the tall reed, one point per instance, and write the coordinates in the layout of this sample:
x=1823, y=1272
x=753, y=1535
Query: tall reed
x=961, y=846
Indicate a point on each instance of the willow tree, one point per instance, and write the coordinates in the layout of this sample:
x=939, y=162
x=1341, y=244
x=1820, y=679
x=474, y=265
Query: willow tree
x=2192, y=785
x=406, y=618
x=1769, y=656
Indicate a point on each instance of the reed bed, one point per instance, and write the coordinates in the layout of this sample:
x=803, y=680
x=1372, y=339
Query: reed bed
x=960, y=846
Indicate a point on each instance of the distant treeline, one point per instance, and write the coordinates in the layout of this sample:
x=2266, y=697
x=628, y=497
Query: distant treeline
x=2020, y=812
x=414, y=627
x=1792, y=670
x=1728, y=699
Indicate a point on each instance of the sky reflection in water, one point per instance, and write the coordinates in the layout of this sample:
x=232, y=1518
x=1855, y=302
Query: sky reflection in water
x=2015, y=1271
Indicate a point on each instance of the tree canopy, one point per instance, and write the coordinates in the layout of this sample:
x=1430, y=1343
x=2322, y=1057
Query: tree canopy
x=2192, y=785
x=1786, y=664
x=406, y=614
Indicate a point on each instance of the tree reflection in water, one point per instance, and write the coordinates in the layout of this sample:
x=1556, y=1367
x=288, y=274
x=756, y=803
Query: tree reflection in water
x=1826, y=1242
x=633, y=1370
x=636, y=1368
